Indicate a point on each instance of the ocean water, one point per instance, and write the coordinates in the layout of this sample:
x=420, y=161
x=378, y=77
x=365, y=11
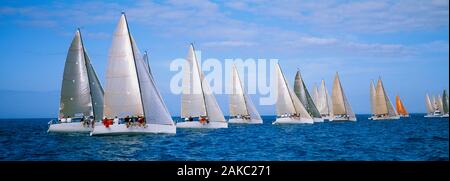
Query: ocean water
x=414, y=138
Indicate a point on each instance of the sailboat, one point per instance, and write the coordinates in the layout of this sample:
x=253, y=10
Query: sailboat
x=242, y=109
x=81, y=102
x=444, y=105
x=323, y=102
x=305, y=98
x=316, y=96
x=199, y=107
x=384, y=109
x=401, y=110
x=431, y=111
x=341, y=108
x=133, y=104
x=289, y=108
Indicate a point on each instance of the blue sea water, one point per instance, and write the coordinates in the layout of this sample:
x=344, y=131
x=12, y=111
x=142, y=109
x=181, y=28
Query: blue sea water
x=414, y=138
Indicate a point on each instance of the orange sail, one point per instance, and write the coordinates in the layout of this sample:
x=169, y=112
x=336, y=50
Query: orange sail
x=401, y=110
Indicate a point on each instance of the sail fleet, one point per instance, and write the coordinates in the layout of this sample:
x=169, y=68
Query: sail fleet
x=131, y=103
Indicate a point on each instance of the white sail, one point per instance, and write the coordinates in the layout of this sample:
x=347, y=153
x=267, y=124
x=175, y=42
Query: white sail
x=435, y=103
x=380, y=103
x=428, y=104
x=316, y=96
x=373, y=97
x=197, y=98
x=252, y=111
x=192, y=99
x=237, y=100
x=288, y=102
x=154, y=108
x=75, y=92
x=212, y=108
x=324, y=102
x=122, y=96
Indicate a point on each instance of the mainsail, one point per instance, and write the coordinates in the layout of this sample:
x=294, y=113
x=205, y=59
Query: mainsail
x=316, y=96
x=429, y=106
x=131, y=89
x=340, y=103
x=382, y=103
x=445, y=102
x=401, y=110
x=240, y=102
x=122, y=94
x=324, y=104
x=197, y=98
x=287, y=101
x=305, y=98
x=81, y=91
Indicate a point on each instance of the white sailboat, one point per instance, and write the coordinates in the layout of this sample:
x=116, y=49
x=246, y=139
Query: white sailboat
x=81, y=101
x=199, y=107
x=323, y=103
x=305, y=98
x=289, y=108
x=131, y=96
x=341, y=108
x=430, y=107
x=242, y=109
x=382, y=106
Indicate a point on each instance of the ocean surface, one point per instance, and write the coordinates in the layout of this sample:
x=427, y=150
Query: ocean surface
x=414, y=138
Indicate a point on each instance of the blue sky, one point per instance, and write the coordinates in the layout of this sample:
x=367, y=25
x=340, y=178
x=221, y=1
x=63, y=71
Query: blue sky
x=404, y=42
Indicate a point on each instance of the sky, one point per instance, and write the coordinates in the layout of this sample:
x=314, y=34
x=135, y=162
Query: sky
x=405, y=42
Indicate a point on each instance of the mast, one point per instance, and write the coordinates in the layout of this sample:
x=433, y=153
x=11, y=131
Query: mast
x=201, y=79
x=89, y=78
x=134, y=61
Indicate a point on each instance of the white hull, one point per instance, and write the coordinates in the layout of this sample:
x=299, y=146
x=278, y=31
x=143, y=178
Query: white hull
x=293, y=121
x=242, y=121
x=384, y=118
x=197, y=124
x=69, y=127
x=318, y=120
x=404, y=116
x=343, y=119
x=444, y=116
x=121, y=129
x=433, y=116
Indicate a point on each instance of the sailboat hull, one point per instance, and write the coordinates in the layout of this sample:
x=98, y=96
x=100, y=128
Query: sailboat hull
x=293, y=121
x=122, y=129
x=339, y=119
x=196, y=124
x=242, y=121
x=384, y=118
x=444, y=116
x=318, y=120
x=69, y=127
